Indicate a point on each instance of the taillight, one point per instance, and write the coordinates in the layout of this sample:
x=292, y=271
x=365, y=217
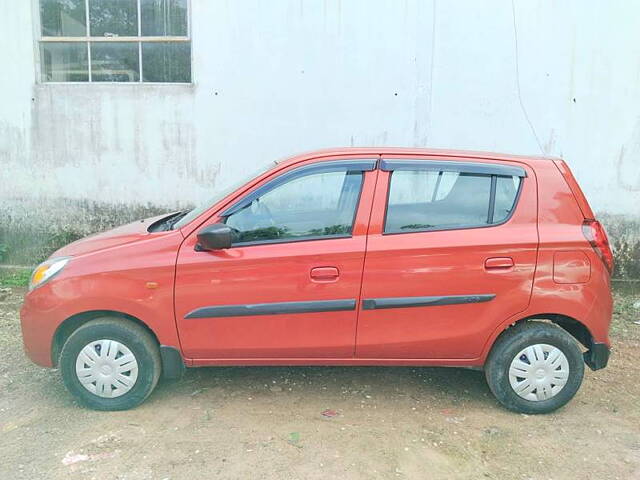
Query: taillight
x=595, y=233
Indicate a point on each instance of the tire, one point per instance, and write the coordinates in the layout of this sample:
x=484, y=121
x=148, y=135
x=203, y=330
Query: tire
x=89, y=353
x=541, y=376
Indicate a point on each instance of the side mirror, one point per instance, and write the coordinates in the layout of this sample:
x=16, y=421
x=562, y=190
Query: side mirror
x=214, y=237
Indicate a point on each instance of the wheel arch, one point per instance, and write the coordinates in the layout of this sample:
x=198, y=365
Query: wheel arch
x=572, y=326
x=72, y=323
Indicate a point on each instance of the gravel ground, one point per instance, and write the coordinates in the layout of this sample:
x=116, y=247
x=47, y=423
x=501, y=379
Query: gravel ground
x=312, y=422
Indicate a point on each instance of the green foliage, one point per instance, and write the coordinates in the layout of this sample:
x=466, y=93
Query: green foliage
x=416, y=226
x=266, y=233
x=14, y=277
x=274, y=233
x=61, y=238
x=331, y=230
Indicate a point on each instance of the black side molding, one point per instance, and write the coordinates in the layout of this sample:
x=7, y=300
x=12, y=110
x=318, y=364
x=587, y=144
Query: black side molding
x=172, y=364
x=403, y=302
x=273, y=308
x=466, y=167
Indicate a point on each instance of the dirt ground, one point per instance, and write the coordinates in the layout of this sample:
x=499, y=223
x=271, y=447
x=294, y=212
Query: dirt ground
x=267, y=422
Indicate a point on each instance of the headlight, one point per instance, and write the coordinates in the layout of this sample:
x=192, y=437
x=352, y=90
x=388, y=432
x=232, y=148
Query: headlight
x=46, y=271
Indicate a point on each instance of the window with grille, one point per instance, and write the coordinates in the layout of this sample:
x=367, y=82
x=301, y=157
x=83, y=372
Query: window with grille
x=115, y=41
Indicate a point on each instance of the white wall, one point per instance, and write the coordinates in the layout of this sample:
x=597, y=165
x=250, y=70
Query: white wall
x=273, y=78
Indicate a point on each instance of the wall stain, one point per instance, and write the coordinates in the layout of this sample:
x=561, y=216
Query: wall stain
x=30, y=230
x=626, y=167
x=624, y=235
x=549, y=147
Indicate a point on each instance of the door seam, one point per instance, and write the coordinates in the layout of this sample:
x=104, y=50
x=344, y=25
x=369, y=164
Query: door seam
x=364, y=258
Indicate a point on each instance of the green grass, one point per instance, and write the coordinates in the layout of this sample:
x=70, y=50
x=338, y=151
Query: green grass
x=14, y=277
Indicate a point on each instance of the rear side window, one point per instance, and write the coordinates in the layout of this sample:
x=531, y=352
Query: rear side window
x=434, y=199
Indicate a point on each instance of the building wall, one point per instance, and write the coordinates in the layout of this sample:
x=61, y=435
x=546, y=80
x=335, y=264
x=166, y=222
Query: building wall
x=273, y=78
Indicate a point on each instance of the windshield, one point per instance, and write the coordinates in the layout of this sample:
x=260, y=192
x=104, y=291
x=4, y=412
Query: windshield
x=199, y=210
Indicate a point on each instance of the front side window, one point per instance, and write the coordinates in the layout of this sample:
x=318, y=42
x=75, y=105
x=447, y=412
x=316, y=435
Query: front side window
x=437, y=200
x=317, y=205
x=115, y=41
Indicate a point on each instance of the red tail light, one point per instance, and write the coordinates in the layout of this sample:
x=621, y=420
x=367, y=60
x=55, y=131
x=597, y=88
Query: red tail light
x=595, y=233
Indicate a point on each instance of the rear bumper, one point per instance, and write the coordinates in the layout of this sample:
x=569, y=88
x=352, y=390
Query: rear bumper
x=597, y=356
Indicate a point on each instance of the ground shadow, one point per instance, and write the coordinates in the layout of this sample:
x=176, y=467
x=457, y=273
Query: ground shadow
x=451, y=385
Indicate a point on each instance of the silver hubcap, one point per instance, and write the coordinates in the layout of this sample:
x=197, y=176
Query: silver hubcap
x=107, y=368
x=539, y=372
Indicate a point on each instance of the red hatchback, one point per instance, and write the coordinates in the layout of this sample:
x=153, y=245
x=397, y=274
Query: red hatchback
x=341, y=257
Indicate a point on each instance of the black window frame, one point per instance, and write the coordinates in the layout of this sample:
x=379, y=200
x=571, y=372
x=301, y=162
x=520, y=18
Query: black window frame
x=492, y=170
x=355, y=165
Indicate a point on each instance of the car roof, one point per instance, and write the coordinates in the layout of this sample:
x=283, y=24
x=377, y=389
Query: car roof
x=431, y=152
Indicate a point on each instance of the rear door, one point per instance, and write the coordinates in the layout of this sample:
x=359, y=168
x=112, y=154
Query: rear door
x=290, y=284
x=451, y=253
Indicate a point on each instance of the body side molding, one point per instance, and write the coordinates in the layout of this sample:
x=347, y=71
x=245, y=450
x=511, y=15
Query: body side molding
x=244, y=310
x=403, y=302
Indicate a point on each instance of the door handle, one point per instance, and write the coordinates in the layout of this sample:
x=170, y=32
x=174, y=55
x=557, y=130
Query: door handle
x=498, y=263
x=324, y=274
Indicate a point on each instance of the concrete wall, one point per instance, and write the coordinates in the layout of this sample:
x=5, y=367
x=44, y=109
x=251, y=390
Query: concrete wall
x=272, y=78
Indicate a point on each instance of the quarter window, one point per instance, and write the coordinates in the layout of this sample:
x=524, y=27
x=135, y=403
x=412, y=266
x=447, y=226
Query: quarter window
x=317, y=205
x=506, y=192
x=422, y=200
x=115, y=41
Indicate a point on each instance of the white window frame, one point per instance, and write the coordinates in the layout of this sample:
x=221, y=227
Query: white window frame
x=139, y=39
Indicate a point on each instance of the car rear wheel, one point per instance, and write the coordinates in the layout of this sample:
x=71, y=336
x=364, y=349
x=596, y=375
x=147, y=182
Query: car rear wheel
x=110, y=364
x=534, y=367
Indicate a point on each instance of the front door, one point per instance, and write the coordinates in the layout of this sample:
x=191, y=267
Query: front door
x=290, y=284
x=451, y=254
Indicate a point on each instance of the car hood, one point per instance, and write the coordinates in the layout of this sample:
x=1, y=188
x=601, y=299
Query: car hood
x=131, y=232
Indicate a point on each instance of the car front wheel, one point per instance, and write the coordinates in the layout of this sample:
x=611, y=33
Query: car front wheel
x=534, y=367
x=110, y=364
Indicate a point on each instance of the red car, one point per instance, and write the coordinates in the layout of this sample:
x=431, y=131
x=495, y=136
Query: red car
x=341, y=257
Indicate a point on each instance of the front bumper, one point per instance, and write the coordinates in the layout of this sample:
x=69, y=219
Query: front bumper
x=597, y=356
x=39, y=322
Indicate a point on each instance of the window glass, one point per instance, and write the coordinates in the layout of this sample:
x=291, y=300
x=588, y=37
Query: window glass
x=166, y=62
x=64, y=62
x=114, y=62
x=127, y=41
x=110, y=18
x=506, y=192
x=219, y=195
x=445, y=184
x=427, y=199
x=63, y=18
x=318, y=204
x=164, y=17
